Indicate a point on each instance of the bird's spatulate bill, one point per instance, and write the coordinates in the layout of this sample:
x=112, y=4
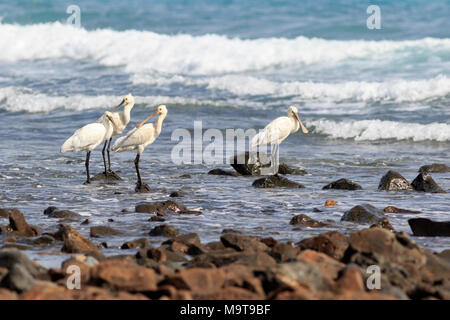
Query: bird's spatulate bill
x=153, y=114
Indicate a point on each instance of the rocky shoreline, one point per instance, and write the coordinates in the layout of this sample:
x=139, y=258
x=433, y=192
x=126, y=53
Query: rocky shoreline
x=372, y=263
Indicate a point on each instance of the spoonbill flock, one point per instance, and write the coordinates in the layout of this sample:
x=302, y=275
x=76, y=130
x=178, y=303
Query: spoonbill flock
x=113, y=123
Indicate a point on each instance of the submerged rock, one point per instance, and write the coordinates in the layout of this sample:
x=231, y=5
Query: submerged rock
x=342, y=184
x=393, y=181
x=392, y=209
x=363, y=214
x=383, y=223
x=304, y=220
x=163, y=208
x=424, y=182
x=4, y=213
x=143, y=188
x=164, y=230
x=241, y=165
x=330, y=204
x=423, y=227
x=103, y=231
x=109, y=176
x=276, y=181
x=54, y=212
x=220, y=172
x=137, y=243
x=435, y=167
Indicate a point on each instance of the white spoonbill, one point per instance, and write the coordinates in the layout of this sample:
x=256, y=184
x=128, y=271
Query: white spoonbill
x=276, y=132
x=89, y=137
x=140, y=137
x=121, y=119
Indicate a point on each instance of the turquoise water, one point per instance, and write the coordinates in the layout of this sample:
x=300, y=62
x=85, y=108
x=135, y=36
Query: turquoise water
x=373, y=100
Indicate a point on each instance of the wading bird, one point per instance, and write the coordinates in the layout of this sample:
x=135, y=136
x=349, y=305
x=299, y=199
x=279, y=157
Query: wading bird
x=89, y=137
x=121, y=120
x=275, y=133
x=140, y=137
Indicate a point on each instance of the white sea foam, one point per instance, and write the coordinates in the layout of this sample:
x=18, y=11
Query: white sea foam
x=144, y=51
x=391, y=90
x=378, y=130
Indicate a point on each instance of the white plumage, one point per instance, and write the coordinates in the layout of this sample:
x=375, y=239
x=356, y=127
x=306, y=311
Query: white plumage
x=277, y=131
x=121, y=119
x=140, y=137
x=89, y=137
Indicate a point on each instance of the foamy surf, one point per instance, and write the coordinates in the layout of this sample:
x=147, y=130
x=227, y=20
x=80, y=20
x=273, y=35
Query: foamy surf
x=145, y=51
x=371, y=130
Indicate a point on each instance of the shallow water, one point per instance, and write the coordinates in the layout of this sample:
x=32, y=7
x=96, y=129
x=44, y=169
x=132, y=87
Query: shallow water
x=373, y=101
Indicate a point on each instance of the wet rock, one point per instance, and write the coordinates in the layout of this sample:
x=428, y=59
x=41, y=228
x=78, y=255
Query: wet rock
x=435, y=167
x=304, y=220
x=85, y=222
x=103, y=231
x=44, y=240
x=422, y=227
x=331, y=243
x=424, y=182
x=17, y=223
x=164, y=230
x=383, y=223
x=392, y=209
x=186, y=239
x=148, y=256
x=109, y=176
x=164, y=207
x=342, y=184
x=4, y=213
x=186, y=176
x=220, y=172
x=124, y=275
x=157, y=219
x=54, y=212
x=219, y=258
x=177, y=194
x=243, y=243
x=143, y=188
x=17, y=246
x=285, y=169
x=363, y=214
x=330, y=203
x=74, y=242
x=393, y=181
x=275, y=181
x=137, y=243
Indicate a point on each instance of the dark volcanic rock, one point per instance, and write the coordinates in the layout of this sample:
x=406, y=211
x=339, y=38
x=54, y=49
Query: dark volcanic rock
x=17, y=223
x=74, y=242
x=424, y=182
x=435, y=167
x=393, y=180
x=331, y=243
x=109, y=176
x=275, y=181
x=392, y=209
x=304, y=220
x=422, y=227
x=164, y=207
x=343, y=184
x=143, y=188
x=241, y=165
x=164, y=230
x=363, y=214
x=220, y=172
x=103, y=231
x=54, y=212
x=177, y=194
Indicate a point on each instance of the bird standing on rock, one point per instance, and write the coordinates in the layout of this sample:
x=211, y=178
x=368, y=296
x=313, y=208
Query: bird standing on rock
x=89, y=137
x=276, y=132
x=139, y=138
x=121, y=119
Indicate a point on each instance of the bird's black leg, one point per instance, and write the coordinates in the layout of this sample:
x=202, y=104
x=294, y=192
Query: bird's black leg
x=103, y=154
x=109, y=158
x=136, y=164
x=88, y=155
